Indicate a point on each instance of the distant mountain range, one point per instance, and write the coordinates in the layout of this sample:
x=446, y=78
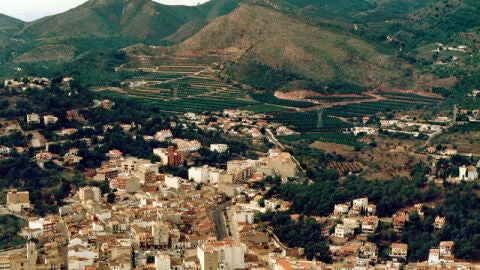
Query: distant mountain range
x=364, y=43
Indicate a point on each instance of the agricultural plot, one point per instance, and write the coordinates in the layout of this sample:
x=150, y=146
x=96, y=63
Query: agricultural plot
x=265, y=109
x=408, y=97
x=371, y=108
x=344, y=168
x=311, y=121
x=331, y=137
x=194, y=104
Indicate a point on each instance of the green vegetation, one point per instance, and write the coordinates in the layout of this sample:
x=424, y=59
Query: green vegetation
x=9, y=227
x=310, y=122
x=371, y=108
x=302, y=232
x=47, y=186
x=265, y=109
x=192, y=104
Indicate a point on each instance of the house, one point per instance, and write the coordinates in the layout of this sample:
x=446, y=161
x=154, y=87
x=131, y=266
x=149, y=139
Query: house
x=44, y=156
x=4, y=150
x=361, y=202
x=115, y=154
x=388, y=123
x=399, y=223
x=18, y=200
x=72, y=115
x=33, y=118
x=106, y=173
x=371, y=210
x=187, y=146
x=107, y=104
x=368, y=251
x=49, y=119
x=366, y=130
x=340, y=209
x=219, y=147
x=342, y=231
x=446, y=249
x=284, y=131
x=369, y=224
x=163, y=135
x=450, y=151
x=472, y=173
x=438, y=223
x=399, y=251
x=434, y=256
x=173, y=181
x=67, y=131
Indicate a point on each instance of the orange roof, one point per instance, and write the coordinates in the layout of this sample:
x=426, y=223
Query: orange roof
x=399, y=246
x=447, y=243
x=285, y=264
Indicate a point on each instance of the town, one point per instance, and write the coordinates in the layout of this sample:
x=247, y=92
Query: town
x=177, y=208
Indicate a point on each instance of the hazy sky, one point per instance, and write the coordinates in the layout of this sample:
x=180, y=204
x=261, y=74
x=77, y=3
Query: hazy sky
x=29, y=10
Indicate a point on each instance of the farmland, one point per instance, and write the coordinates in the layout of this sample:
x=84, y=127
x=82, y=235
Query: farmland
x=332, y=137
x=265, y=109
x=310, y=122
x=371, y=108
x=181, y=83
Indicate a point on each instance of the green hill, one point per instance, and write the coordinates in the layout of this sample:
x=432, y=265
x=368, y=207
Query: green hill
x=135, y=19
x=9, y=24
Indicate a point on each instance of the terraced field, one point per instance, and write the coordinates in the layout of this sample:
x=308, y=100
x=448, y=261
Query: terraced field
x=371, y=108
x=312, y=121
x=182, y=83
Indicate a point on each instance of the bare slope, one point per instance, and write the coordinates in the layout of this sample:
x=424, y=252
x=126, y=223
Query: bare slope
x=271, y=38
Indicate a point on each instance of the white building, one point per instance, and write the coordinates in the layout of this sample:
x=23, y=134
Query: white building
x=198, y=174
x=220, y=148
x=340, y=209
x=342, y=231
x=172, y=181
x=162, y=262
x=434, y=256
x=361, y=202
x=33, y=118
x=244, y=216
x=366, y=130
x=230, y=255
x=469, y=173
x=49, y=119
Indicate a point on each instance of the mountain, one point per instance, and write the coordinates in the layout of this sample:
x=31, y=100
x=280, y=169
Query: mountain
x=9, y=23
x=135, y=19
x=273, y=41
x=278, y=44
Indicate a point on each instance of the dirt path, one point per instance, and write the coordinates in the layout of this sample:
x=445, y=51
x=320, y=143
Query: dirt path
x=374, y=97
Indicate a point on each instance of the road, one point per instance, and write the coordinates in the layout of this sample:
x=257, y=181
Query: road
x=218, y=218
x=301, y=175
x=435, y=134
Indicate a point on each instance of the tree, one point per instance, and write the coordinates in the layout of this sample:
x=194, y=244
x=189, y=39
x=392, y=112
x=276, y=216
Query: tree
x=111, y=197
